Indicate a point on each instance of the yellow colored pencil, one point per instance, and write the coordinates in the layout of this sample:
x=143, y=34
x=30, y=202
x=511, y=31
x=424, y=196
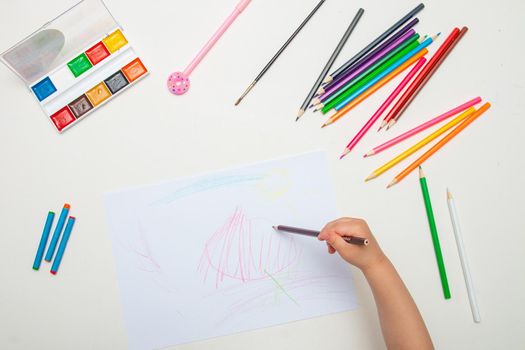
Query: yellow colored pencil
x=421, y=143
x=440, y=144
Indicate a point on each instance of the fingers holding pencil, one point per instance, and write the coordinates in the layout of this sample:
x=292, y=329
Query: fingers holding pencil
x=334, y=232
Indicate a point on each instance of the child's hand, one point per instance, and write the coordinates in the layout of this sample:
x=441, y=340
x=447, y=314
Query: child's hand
x=363, y=257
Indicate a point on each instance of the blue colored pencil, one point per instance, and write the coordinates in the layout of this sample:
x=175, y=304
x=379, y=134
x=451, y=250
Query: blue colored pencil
x=56, y=234
x=63, y=244
x=43, y=240
x=387, y=71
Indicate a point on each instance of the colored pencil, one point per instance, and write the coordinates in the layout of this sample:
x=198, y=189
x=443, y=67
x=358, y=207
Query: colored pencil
x=346, y=104
x=371, y=55
x=423, y=126
x=402, y=156
x=392, y=64
x=57, y=233
x=454, y=218
x=397, y=107
x=383, y=107
x=434, y=233
x=278, y=53
x=43, y=240
x=349, y=239
x=373, y=63
x=375, y=42
x=330, y=62
x=440, y=144
x=433, y=69
x=371, y=73
x=63, y=244
x=374, y=87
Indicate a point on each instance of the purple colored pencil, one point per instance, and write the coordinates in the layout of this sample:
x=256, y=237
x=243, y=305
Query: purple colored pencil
x=363, y=60
x=342, y=82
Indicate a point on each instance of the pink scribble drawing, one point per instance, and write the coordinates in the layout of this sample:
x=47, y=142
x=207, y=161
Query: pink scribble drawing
x=246, y=249
x=146, y=260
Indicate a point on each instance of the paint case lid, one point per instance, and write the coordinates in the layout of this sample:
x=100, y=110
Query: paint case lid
x=59, y=40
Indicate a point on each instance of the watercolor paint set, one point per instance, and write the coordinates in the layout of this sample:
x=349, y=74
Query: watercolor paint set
x=76, y=63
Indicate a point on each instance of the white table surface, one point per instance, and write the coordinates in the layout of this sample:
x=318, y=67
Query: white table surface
x=147, y=135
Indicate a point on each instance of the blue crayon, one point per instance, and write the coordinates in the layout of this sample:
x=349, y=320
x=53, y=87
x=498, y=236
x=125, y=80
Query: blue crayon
x=62, y=246
x=56, y=234
x=383, y=74
x=43, y=240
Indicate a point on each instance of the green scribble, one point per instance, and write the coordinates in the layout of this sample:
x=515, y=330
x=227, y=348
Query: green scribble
x=281, y=287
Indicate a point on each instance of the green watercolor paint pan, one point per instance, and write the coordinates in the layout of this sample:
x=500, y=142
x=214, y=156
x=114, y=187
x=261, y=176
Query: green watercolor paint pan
x=79, y=64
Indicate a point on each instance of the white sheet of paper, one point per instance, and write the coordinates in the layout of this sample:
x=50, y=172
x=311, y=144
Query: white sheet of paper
x=198, y=258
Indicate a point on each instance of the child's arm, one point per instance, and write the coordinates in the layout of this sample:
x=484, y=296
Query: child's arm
x=401, y=323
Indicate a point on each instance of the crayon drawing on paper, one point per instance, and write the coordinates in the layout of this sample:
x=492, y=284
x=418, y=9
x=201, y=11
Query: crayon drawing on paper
x=198, y=258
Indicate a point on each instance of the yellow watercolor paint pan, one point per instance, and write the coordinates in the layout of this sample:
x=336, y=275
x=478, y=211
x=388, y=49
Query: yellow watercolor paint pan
x=115, y=41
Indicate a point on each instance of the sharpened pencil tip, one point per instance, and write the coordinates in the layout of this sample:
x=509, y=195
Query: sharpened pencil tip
x=449, y=194
x=238, y=101
x=370, y=177
x=392, y=183
x=274, y=227
x=299, y=114
x=421, y=173
x=370, y=153
x=390, y=124
x=324, y=125
x=344, y=153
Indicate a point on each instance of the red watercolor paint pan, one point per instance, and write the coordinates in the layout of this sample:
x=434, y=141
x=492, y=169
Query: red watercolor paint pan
x=62, y=118
x=97, y=53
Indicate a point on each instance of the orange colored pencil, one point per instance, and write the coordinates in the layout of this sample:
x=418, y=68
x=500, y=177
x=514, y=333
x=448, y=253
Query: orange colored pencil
x=374, y=88
x=440, y=144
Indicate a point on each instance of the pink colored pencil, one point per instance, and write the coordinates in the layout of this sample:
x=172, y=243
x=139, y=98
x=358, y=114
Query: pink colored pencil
x=423, y=126
x=384, y=106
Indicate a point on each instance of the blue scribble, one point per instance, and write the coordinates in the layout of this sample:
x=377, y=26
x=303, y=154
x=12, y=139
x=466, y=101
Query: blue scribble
x=206, y=185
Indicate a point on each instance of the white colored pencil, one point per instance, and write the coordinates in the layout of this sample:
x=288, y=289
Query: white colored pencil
x=463, y=257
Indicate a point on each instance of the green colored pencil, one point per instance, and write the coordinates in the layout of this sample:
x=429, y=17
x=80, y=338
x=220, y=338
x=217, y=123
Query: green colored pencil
x=370, y=69
x=433, y=231
x=369, y=74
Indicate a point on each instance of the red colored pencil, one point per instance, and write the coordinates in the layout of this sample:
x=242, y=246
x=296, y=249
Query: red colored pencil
x=410, y=92
x=436, y=66
x=383, y=106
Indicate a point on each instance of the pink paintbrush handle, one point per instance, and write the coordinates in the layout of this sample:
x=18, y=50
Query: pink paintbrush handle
x=385, y=104
x=236, y=12
x=426, y=125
